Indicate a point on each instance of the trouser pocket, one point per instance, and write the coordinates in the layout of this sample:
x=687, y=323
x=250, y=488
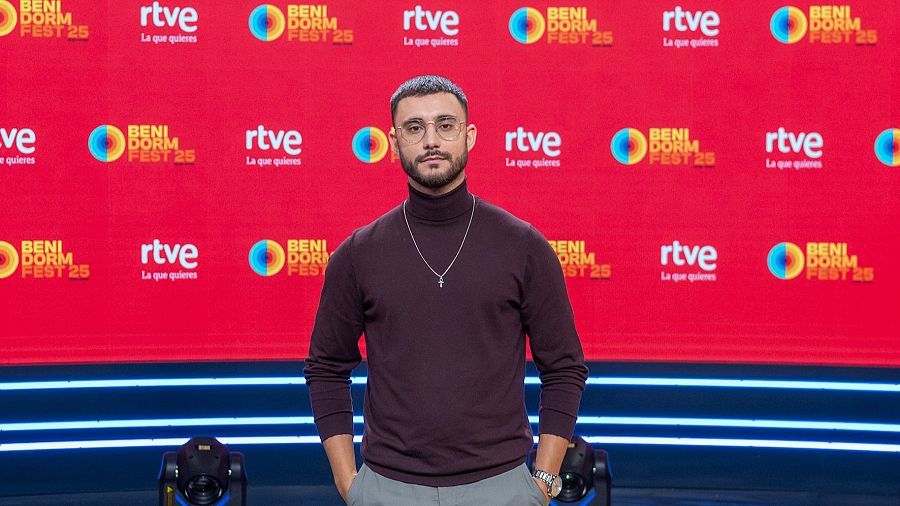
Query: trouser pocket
x=354, y=497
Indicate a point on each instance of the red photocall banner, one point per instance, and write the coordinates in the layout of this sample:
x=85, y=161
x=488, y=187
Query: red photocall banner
x=719, y=179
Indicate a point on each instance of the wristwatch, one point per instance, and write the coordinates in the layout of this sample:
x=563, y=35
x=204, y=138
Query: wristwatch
x=553, y=481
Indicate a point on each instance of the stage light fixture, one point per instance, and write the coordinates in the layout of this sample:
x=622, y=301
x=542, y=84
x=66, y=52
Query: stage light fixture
x=202, y=473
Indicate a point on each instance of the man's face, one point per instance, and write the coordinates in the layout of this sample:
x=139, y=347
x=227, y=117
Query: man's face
x=434, y=162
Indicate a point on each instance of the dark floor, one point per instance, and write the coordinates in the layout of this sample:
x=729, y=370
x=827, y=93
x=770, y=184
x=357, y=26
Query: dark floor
x=325, y=496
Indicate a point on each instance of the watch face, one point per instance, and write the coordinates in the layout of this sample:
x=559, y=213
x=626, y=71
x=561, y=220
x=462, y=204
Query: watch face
x=556, y=488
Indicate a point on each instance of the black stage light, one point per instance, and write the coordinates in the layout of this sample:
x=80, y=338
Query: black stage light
x=585, y=474
x=202, y=473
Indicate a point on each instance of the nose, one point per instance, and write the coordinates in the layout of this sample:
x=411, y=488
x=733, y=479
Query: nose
x=431, y=139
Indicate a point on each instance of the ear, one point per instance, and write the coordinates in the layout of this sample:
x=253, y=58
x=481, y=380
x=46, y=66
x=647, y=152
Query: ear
x=471, y=134
x=392, y=137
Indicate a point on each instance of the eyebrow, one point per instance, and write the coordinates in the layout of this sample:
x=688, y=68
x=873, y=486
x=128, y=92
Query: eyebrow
x=438, y=118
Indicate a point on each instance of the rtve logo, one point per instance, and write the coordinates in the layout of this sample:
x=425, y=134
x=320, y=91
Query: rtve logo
x=789, y=142
x=289, y=140
x=683, y=21
x=447, y=21
x=163, y=254
x=184, y=17
x=525, y=141
x=21, y=138
x=703, y=256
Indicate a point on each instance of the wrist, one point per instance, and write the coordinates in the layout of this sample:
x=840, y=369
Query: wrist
x=343, y=485
x=344, y=479
x=549, y=483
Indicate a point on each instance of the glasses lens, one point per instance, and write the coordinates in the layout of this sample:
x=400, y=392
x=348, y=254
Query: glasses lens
x=447, y=129
x=413, y=132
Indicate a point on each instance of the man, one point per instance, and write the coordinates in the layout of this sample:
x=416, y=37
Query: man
x=445, y=287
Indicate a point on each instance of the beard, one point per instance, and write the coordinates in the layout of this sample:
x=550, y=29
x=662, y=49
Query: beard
x=434, y=179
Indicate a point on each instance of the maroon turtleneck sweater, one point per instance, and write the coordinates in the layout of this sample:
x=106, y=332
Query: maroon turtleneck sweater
x=444, y=403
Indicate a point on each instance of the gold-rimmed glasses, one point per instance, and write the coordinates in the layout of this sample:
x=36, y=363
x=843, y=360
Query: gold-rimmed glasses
x=413, y=131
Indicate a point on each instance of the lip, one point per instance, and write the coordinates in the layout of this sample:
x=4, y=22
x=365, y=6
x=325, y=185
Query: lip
x=433, y=158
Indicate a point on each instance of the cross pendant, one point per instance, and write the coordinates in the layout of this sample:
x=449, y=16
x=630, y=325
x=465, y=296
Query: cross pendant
x=441, y=281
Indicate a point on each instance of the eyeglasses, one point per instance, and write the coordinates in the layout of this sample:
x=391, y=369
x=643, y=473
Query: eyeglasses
x=412, y=132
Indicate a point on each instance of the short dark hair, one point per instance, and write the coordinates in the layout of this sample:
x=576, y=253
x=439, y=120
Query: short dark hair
x=428, y=85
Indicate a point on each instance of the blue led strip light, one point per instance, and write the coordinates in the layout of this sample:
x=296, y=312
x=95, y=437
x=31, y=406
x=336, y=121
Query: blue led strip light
x=738, y=422
x=531, y=380
x=165, y=422
x=158, y=382
x=603, y=440
x=582, y=420
x=743, y=383
x=745, y=443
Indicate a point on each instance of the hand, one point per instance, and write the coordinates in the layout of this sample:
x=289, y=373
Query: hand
x=543, y=486
x=344, y=487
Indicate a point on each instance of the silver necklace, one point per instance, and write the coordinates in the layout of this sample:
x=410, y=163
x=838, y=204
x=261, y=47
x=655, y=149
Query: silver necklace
x=440, y=276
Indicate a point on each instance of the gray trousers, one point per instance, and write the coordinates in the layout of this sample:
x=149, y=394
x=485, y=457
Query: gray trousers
x=512, y=488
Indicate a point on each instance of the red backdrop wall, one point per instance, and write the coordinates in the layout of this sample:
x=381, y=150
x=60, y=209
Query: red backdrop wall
x=548, y=110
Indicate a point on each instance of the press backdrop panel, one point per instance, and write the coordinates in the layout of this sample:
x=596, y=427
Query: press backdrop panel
x=134, y=185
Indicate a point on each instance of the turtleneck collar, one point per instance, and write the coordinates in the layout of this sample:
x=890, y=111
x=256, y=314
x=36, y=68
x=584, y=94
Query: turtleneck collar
x=448, y=206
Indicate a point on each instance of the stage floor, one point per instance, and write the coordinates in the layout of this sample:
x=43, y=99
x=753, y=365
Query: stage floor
x=325, y=496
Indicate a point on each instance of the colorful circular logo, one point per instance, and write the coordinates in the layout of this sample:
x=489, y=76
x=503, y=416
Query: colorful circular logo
x=9, y=259
x=527, y=25
x=267, y=22
x=107, y=143
x=785, y=260
x=370, y=144
x=628, y=146
x=887, y=147
x=7, y=18
x=267, y=258
x=788, y=25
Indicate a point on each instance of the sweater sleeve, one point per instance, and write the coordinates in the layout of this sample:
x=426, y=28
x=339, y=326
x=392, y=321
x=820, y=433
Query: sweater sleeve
x=334, y=346
x=550, y=324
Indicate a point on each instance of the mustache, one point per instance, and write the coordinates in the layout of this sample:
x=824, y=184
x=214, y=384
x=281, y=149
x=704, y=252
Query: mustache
x=428, y=154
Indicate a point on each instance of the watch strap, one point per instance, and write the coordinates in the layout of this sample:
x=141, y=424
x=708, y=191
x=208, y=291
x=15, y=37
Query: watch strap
x=547, y=478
